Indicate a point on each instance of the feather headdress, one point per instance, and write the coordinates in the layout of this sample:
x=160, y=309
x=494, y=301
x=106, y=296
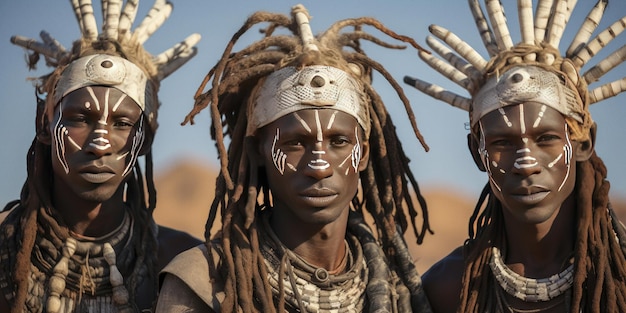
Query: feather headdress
x=540, y=38
x=132, y=67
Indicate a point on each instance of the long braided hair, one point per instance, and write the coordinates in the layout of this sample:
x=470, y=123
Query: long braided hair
x=241, y=189
x=599, y=254
x=28, y=218
x=23, y=221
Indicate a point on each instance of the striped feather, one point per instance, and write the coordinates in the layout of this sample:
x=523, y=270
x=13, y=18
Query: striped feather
x=90, y=27
x=587, y=28
x=498, y=21
x=526, y=24
x=79, y=18
x=557, y=24
x=51, y=42
x=173, y=65
x=178, y=49
x=452, y=58
x=38, y=47
x=607, y=91
x=111, y=19
x=542, y=15
x=604, y=66
x=128, y=18
x=571, y=4
x=461, y=47
x=155, y=18
x=600, y=41
x=438, y=92
x=446, y=70
x=483, y=28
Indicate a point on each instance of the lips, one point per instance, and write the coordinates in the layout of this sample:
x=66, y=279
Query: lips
x=319, y=197
x=96, y=174
x=530, y=195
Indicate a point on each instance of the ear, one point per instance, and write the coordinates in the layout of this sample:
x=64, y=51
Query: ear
x=365, y=155
x=584, y=149
x=472, y=145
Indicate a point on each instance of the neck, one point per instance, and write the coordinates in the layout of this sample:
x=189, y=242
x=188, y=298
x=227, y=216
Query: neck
x=91, y=218
x=320, y=245
x=540, y=250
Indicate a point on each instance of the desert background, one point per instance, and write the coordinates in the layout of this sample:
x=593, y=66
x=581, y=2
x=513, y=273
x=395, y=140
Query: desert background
x=185, y=191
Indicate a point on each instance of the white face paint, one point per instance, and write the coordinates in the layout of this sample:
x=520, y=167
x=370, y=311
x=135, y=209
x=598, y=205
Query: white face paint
x=318, y=162
x=278, y=156
x=100, y=141
x=567, y=149
x=525, y=158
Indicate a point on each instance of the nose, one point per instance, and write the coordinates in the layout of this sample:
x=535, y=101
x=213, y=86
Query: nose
x=318, y=167
x=98, y=143
x=525, y=164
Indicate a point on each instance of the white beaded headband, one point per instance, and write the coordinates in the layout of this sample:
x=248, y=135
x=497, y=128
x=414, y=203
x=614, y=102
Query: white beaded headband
x=102, y=69
x=537, y=54
x=289, y=89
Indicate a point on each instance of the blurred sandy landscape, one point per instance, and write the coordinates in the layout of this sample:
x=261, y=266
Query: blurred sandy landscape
x=185, y=191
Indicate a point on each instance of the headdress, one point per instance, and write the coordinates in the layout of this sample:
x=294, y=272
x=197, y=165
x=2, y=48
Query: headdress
x=289, y=89
x=532, y=70
x=115, y=57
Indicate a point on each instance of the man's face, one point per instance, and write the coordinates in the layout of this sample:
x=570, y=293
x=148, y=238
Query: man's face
x=312, y=159
x=528, y=155
x=97, y=134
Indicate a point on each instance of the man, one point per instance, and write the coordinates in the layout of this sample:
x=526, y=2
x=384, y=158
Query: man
x=311, y=150
x=543, y=236
x=81, y=238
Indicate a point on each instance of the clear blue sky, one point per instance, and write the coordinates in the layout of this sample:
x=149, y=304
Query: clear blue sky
x=448, y=162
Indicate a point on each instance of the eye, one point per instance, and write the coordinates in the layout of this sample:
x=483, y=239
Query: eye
x=292, y=144
x=548, y=138
x=340, y=141
x=123, y=124
x=75, y=119
x=500, y=143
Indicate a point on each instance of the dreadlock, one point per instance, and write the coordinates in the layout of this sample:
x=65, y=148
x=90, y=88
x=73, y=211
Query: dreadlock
x=599, y=254
x=35, y=196
x=241, y=189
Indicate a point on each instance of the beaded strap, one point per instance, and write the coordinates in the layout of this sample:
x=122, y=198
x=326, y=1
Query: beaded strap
x=530, y=289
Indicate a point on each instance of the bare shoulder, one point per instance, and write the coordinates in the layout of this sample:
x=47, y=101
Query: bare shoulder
x=443, y=281
x=172, y=242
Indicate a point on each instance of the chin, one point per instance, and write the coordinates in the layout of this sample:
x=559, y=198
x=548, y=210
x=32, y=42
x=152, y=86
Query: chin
x=536, y=215
x=96, y=195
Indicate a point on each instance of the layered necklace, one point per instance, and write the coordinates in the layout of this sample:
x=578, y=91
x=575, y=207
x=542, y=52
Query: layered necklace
x=309, y=288
x=529, y=289
x=75, y=273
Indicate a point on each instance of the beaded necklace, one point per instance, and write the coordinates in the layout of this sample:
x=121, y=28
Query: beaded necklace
x=74, y=273
x=309, y=288
x=530, y=289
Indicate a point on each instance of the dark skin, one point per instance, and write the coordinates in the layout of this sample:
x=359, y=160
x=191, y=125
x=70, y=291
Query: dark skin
x=529, y=174
x=310, y=212
x=96, y=134
x=312, y=189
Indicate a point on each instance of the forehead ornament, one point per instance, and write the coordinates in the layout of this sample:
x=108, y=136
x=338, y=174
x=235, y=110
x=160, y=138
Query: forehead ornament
x=527, y=84
x=289, y=90
x=106, y=70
